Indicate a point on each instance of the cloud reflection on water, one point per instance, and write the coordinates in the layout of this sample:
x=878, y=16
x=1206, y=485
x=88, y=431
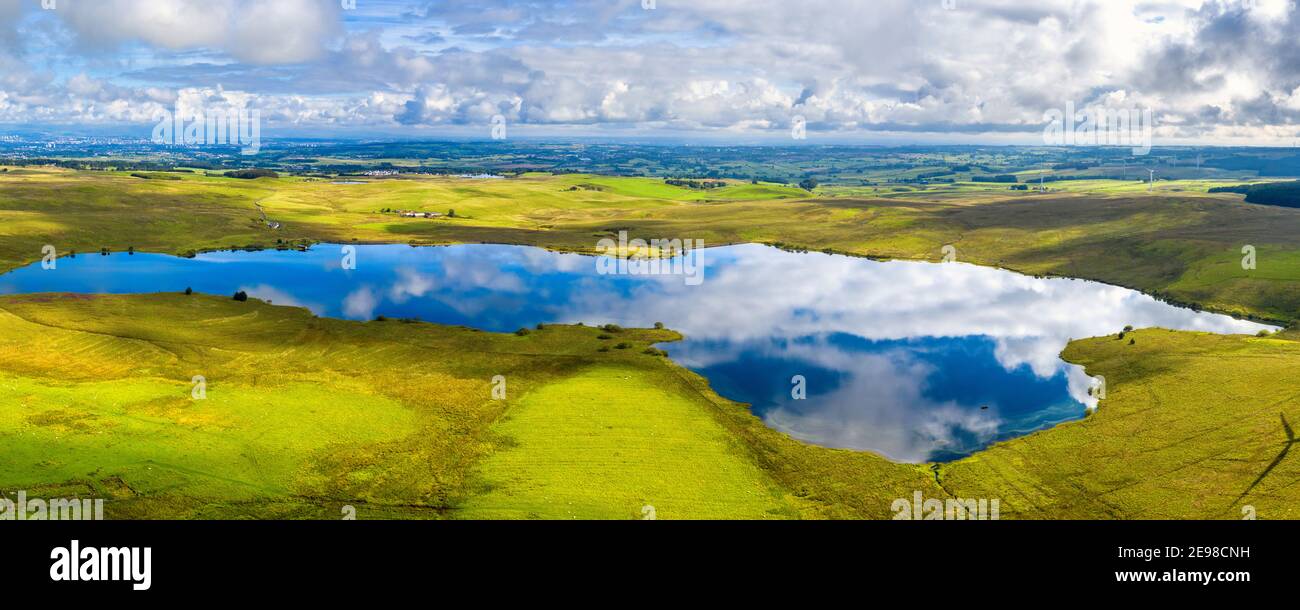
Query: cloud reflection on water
x=916, y=361
x=759, y=302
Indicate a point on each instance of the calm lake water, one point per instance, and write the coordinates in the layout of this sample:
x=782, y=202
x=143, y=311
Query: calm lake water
x=916, y=361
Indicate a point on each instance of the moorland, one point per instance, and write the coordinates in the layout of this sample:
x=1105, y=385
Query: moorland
x=306, y=415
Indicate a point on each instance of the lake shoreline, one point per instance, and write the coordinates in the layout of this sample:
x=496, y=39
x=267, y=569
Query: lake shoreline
x=1282, y=323
x=392, y=274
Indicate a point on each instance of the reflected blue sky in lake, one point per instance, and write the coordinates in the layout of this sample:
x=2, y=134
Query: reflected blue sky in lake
x=916, y=361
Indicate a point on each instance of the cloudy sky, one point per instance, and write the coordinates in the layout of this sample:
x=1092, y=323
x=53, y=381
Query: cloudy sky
x=1212, y=71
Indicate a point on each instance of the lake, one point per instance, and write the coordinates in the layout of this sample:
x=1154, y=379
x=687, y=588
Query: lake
x=916, y=361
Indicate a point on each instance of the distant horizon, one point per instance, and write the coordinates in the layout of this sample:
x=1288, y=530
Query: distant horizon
x=140, y=134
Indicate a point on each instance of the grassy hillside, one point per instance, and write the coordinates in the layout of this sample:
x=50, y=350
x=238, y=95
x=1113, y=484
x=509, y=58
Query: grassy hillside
x=1191, y=428
x=611, y=441
x=305, y=415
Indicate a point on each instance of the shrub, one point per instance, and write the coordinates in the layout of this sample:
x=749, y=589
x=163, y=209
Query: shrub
x=523, y=332
x=241, y=296
x=381, y=318
x=1284, y=194
x=189, y=291
x=612, y=328
x=251, y=174
x=623, y=346
x=659, y=325
x=693, y=184
x=1001, y=178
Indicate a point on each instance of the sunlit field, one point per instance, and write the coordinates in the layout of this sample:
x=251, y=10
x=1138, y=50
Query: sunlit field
x=303, y=416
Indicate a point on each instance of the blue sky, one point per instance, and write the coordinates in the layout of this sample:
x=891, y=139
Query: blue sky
x=1212, y=71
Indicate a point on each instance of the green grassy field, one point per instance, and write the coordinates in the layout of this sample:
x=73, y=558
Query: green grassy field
x=611, y=441
x=1190, y=428
x=305, y=415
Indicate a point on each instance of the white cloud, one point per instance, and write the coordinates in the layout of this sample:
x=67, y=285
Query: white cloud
x=1207, y=67
x=258, y=32
x=410, y=283
x=276, y=296
x=896, y=301
x=360, y=304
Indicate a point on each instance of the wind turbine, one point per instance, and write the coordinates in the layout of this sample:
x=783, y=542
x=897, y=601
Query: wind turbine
x=1151, y=186
x=1291, y=440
